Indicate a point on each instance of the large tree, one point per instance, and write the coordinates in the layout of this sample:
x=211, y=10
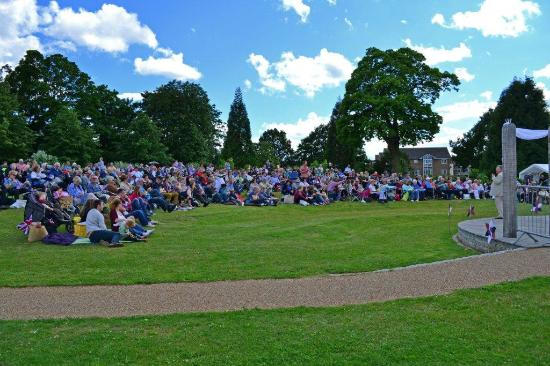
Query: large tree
x=69, y=140
x=341, y=153
x=280, y=145
x=238, y=140
x=44, y=85
x=521, y=102
x=16, y=138
x=142, y=142
x=190, y=125
x=469, y=149
x=390, y=97
x=313, y=147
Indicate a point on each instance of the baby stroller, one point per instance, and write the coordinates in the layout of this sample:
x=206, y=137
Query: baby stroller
x=51, y=219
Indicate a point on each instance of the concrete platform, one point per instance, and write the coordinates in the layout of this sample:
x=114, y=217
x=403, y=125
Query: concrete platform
x=531, y=234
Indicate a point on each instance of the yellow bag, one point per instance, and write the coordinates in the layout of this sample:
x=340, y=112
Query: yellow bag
x=37, y=232
x=80, y=230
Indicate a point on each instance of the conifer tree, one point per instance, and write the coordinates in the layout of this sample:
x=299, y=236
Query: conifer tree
x=238, y=140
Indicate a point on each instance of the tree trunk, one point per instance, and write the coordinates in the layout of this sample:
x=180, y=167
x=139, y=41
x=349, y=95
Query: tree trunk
x=393, y=149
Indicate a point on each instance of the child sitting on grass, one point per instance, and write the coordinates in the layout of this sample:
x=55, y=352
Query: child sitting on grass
x=132, y=231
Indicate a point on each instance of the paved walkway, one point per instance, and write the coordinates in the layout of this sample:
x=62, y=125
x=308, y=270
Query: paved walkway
x=421, y=280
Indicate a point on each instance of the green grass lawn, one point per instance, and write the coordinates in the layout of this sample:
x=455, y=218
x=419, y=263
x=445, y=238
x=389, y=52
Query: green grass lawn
x=507, y=324
x=227, y=242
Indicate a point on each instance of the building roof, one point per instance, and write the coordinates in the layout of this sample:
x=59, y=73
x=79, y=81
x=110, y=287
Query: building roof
x=416, y=153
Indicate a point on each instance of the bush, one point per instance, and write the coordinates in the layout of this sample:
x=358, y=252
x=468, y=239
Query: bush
x=42, y=157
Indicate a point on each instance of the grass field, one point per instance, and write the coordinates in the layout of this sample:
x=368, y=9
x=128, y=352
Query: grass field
x=507, y=324
x=227, y=242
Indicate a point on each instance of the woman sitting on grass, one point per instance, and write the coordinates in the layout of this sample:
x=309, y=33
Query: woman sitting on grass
x=96, y=229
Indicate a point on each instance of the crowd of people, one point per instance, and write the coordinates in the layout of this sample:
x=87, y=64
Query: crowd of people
x=132, y=193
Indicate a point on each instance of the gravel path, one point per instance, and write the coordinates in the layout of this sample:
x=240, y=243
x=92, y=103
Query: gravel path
x=420, y=280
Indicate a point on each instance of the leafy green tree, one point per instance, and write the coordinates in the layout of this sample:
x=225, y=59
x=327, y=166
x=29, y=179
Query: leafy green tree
x=142, y=142
x=524, y=104
x=341, y=153
x=313, y=146
x=469, y=149
x=238, y=143
x=66, y=138
x=16, y=138
x=110, y=117
x=280, y=146
x=45, y=85
x=190, y=125
x=390, y=97
x=265, y=152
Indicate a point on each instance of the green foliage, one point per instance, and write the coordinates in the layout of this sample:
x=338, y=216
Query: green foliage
x=524, y=104
x=280, y=146
x=264, y=152
x=384, y=163
x=142, y=142
x=340, y=152
x=68, y=139
x=314, y=146
x=44, y=85
x=390, y=97
x=189, y=124
x=43, y=157
x=238, y=143
x=16, y=138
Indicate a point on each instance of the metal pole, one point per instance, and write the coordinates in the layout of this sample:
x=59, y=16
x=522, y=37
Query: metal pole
x=509, y=167
x=547, y=180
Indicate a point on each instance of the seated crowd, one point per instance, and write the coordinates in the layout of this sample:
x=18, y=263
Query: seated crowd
x=133, y=192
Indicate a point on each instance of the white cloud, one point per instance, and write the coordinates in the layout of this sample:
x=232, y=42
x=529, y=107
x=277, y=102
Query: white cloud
x=464, y=110
x=332, y=2
x=404, y=21
x=438, y=19
x=436, y=56
x=443, y=137
x=110, y=29
x=247, y=84
x=20, y=19
x=497, y=18
x=348, y=23
x=545, y=91
x=299, y=7
x=136, y=97
x=309, y=74
x=267, y=79
x=542, y=73
x=463, y=74
x=487, y=95
x=170, y=66
x=298, y=130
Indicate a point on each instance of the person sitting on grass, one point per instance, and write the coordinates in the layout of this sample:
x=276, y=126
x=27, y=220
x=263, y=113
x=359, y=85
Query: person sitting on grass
x=132, y=231
x=96, y=230
x=77, y=192
x=119, y=217
x=13, y=185
x=301, y=198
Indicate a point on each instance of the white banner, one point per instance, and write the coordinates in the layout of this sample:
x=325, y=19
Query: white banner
x=525, y=134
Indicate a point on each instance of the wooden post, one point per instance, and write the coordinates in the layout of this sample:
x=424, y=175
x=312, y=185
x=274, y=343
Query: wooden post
x=509, y=167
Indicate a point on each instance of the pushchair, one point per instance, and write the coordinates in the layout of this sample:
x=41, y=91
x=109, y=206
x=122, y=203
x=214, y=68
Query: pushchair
x=51, y=219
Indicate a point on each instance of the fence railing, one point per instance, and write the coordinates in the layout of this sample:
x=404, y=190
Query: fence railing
x=533, y=212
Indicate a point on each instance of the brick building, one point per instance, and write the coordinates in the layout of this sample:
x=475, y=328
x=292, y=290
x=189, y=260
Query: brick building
x=429, y=161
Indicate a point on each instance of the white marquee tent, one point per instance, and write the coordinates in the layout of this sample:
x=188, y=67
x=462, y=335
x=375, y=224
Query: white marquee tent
x=534, y=170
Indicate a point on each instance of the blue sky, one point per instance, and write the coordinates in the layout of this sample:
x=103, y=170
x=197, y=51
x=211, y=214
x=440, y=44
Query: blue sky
x=291, y=57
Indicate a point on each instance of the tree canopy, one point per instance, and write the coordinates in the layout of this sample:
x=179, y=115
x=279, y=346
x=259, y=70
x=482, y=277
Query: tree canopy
x=190, y=125
x=279, y=145
x=390, y=97
x=524, y=104
x=238, y=140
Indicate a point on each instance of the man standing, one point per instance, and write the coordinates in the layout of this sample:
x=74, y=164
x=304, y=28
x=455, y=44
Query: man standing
x=496, y=190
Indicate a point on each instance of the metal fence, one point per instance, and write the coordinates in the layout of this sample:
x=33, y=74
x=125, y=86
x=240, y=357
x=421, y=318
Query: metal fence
x=533, y=211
